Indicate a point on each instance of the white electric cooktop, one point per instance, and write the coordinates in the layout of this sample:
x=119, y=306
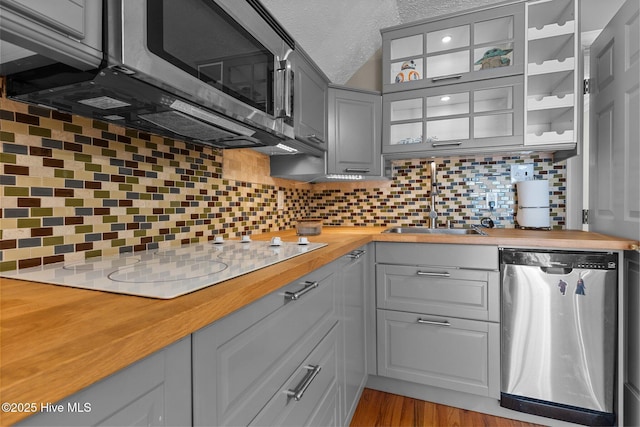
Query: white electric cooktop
x=165, y=273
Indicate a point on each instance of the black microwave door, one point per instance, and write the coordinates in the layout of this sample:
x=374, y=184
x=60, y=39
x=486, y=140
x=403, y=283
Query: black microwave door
x=199, y=37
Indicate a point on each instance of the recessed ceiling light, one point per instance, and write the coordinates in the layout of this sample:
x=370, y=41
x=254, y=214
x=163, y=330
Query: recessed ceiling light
x=445, y=98
x=446, y=39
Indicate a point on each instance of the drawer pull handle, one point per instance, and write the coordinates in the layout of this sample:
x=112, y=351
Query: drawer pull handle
x=298, y=392
x=292, y=296
x=439, y=79
x=356, y=170
x=314, y=138
x=356, y=254
x=434, y=273
x=433, y=322
x=445, y=144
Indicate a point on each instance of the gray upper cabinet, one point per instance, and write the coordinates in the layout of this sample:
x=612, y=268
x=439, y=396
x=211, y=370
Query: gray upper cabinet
x=310, y=106
x=484, y=115
x=475, y=45
x=354, y=132
x=69, y=31
x=155, y=391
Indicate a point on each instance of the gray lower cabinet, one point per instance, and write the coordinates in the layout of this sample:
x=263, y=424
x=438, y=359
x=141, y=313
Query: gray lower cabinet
x=441, y=351
x=294, y=357
x=311, y=396
x=155, y=391
x=246, y=360
x=438, y=308
x=355, y=280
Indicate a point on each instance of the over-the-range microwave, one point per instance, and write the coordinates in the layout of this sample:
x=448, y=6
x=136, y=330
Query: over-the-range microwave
x=216, y=72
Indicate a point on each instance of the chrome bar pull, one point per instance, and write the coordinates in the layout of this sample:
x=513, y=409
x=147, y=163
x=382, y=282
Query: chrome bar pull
x=439, y=79
x=314, y=138
x=445, y=144
x=433, y=322
x=357, y=254
x=434, y=273
x=298, y=392
x=284, y=73
x=356, y=170
x=292, y=296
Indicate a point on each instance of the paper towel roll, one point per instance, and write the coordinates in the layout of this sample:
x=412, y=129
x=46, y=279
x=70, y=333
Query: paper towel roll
x=533, y=217
x=533, y=194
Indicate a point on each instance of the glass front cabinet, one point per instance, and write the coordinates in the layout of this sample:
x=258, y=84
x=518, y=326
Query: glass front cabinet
x=473, y=46
x=464, y=116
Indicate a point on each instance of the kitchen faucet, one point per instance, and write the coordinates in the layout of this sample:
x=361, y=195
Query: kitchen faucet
x=433, y=214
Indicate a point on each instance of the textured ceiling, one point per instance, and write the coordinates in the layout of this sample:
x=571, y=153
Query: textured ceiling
x=341, y=35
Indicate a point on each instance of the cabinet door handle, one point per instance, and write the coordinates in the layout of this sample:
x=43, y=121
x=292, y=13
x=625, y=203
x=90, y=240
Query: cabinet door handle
x=298, y=392
x=439, y=79
x=314, y=138
x=356, y=170
x=434, y=273
x=444, y=144
x=284, y=72
x=356, y=254
x=292, y=296
x=434, y=322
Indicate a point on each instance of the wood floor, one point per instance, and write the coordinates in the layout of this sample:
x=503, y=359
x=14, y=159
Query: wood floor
x=380, y=409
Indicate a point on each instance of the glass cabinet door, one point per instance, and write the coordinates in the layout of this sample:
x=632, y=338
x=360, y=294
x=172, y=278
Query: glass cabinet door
x=463, y=116
x=472, y=46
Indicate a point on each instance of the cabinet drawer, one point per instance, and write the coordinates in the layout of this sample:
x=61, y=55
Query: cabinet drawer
x=313, y=406
x=451, y=353
x=481, y=257
x=239, y=364
x=471, y=294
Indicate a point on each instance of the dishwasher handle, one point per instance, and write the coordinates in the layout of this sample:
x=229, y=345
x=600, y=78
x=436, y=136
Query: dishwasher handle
x=557, y=270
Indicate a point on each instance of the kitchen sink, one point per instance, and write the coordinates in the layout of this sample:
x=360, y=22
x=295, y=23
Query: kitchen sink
x=426, y=230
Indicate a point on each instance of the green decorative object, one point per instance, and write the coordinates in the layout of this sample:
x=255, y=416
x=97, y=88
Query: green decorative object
x=494, y=58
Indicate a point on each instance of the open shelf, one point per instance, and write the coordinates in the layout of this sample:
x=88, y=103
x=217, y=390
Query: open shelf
x=549, y=102
x=551, y=30
x=550, y=137
x=551, y=66
x=559, y=47
x=552, y=70
x=543, y=13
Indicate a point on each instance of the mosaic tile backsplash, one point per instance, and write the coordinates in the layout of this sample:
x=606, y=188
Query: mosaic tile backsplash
x=72, y=187
x=462, y=183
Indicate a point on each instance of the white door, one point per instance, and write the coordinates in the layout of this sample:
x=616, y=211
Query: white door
x=615, y=127
x=614, y=182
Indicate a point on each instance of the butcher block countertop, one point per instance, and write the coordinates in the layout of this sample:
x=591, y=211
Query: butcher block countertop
x=57, y=340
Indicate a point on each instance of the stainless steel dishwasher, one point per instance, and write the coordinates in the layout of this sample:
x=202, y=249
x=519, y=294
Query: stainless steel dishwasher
x=558, y=334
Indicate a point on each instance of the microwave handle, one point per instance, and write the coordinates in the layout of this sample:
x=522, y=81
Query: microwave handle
x=284, y=74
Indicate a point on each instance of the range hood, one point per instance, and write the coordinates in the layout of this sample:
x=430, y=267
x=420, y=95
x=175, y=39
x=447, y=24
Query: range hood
x=312, y=169
x=168, y=68
x=114, y=96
